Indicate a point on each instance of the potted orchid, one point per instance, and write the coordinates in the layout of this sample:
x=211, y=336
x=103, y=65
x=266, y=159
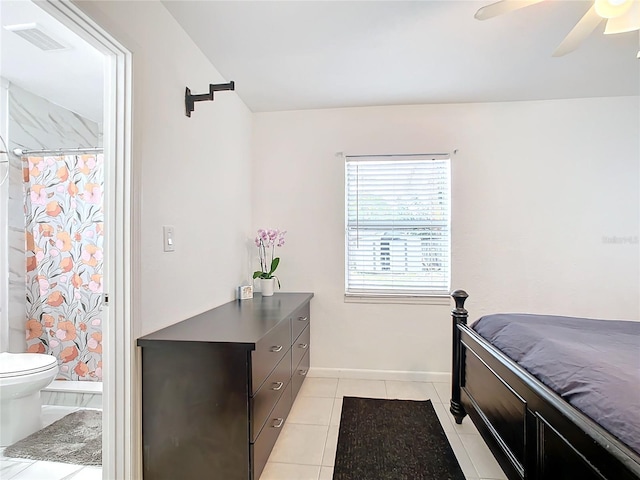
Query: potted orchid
x=267, y=240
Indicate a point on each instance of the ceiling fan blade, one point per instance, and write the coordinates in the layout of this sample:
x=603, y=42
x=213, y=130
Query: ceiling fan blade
x=587, y=24
x=628, y=22
x=503, y=6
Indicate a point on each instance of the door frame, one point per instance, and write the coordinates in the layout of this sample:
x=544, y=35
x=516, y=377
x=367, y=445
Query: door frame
x=121, y=433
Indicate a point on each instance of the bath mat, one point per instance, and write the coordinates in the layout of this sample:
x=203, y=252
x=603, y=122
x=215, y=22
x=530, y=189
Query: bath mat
x=392, y=440
x=75, y=438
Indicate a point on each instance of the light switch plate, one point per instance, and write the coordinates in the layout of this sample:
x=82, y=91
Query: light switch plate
x=168, y=238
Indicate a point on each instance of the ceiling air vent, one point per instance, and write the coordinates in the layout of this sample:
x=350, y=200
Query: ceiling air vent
x=34, y=34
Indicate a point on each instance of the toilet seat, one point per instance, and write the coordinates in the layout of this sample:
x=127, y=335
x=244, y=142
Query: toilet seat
x=21, y=364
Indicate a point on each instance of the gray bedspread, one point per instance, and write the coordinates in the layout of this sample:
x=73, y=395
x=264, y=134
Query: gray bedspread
x=592, y=364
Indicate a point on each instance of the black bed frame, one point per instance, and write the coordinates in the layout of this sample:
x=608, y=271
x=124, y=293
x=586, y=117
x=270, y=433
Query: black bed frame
x=533, y=433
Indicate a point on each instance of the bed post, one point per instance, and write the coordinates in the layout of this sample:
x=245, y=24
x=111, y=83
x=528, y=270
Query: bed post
x=458, y=315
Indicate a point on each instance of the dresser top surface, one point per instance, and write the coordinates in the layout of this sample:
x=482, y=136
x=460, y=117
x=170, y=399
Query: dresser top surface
x=240, y=322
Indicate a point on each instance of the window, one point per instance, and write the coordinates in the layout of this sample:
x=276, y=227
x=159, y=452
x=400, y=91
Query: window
x=397, y=225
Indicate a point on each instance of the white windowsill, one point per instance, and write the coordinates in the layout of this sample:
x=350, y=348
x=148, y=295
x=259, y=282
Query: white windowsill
x=400, y=299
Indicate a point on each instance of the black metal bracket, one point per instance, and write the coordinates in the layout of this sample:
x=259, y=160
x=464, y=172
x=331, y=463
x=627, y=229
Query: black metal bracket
x=189, y=100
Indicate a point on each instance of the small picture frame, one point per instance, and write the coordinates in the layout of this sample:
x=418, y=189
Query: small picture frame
x=245, y=292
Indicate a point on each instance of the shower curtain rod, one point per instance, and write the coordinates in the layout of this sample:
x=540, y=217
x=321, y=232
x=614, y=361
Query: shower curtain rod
x=61, y=151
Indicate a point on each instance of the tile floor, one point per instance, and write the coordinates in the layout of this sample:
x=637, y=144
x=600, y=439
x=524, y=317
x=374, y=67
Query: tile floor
x=21, y=469
x=306, y=447
x=307, y=444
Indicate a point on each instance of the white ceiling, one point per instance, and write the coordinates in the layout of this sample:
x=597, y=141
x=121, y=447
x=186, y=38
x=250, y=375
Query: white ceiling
x=71, y=78
x=286, y=55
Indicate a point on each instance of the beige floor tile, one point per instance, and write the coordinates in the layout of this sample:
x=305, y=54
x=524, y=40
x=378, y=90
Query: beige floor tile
x=482, y=458
x=289, y=471
x=319, y=387
x=336, y=412
x=444, y=391
x=329, y=457
x=443, y=416
x=307, y=445
x=462, y=456
x=300, y=444
x=349, y=387
x=326, y=473
x=412, y=391
x=311, y=411
x=466, y=427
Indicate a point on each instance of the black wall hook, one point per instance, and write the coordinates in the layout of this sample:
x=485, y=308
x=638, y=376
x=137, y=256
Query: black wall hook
x=189, y=100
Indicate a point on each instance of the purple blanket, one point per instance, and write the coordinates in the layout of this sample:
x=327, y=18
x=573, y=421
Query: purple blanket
x=593, y=364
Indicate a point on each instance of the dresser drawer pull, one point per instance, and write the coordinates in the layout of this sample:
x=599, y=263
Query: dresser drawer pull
x=303, y=345
x=302, y=372
x=277, y=386
x=277, y=422
x=276, y=348
x=303, y=319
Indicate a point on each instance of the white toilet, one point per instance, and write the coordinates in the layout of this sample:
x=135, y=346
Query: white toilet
x=22, y=376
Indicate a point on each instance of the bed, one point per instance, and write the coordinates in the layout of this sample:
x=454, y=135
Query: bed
x=534, y=431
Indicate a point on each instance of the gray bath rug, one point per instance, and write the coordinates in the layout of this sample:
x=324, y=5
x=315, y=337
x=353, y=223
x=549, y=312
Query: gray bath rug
x=75, y=438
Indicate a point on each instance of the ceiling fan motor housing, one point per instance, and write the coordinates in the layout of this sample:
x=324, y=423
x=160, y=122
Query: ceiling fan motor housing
x=612, y=8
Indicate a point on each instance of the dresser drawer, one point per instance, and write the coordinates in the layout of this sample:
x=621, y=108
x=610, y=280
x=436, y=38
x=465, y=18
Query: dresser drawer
x=264, y=400
x=299, y=374
x=261, y=448
x=269, y=351
x=300, y=347
x=300, y=321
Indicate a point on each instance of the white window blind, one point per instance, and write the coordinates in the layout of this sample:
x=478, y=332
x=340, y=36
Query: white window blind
x=398, y=225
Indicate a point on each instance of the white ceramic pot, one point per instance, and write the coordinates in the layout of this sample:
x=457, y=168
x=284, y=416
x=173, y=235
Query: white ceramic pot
x=266, y=286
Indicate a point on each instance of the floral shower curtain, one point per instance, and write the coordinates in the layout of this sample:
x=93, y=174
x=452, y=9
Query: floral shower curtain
x=64, y=241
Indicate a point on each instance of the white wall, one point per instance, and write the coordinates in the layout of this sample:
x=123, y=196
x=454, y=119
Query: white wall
x=536, y=187
x=194, y=172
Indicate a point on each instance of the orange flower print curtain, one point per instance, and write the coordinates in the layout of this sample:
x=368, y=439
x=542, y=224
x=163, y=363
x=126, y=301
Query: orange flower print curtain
x=64, y=230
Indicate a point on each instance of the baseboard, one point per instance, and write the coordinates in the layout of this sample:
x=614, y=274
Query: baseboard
x=444, y=377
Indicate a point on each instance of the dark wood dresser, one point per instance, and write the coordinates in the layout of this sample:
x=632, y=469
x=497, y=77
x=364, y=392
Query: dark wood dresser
x=217, y=388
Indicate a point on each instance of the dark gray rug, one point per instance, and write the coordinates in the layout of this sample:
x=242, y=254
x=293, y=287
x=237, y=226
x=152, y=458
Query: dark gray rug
x=75, y=438
x=392, y=440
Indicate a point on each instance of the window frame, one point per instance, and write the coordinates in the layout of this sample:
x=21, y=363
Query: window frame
x=389, y=295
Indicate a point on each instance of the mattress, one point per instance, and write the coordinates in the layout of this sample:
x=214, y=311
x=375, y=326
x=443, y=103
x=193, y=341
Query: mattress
x=592, y=364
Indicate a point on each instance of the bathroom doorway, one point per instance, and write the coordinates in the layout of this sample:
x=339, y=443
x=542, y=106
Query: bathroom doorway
x=98, y=119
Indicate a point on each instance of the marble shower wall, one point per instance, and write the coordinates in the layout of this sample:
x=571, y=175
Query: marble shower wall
x=4, y=195
x=33, y=123
x=69, y=395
